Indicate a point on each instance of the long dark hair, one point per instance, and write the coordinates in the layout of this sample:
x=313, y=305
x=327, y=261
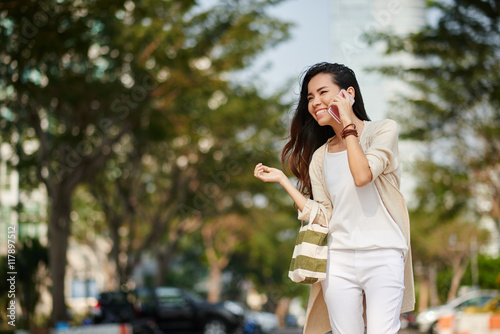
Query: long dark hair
x=306, y=135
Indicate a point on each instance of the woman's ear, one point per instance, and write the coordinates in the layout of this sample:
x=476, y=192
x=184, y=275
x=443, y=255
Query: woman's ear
x=351, y=91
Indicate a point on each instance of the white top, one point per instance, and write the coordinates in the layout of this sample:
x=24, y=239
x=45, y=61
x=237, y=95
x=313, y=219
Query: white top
x=359, y=220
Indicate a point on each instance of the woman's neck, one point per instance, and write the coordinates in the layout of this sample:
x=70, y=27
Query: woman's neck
x=336, y=143
x=339, y=127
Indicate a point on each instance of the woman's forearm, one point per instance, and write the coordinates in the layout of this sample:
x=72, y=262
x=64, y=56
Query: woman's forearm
x=299, y=199
x=358, y=164
x=269, y=174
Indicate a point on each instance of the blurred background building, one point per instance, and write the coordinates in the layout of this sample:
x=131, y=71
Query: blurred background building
x=9, y=194
x=17, y=205
x=350, y=21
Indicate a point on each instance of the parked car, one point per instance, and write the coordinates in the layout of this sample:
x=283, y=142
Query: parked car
x=491, y=306
x=291, y=320
x=112, y=307
x=115, y=307
x=472, y=319
x=263, y=322
x=174, y=310
x=408, y=320
x=427, y=320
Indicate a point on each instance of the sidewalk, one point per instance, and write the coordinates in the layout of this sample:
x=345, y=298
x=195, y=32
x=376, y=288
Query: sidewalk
x=298, y=330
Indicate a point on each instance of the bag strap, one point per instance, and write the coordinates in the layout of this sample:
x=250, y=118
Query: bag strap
x=323, y=210
x=314, y=212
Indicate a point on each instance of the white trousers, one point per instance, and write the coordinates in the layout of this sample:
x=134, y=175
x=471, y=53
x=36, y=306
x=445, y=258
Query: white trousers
x=380, y=275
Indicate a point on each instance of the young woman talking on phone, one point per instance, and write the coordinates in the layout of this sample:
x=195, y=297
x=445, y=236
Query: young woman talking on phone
x=349, y=166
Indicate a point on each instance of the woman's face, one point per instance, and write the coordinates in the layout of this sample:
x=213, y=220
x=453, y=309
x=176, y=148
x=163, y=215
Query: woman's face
x=320, y=92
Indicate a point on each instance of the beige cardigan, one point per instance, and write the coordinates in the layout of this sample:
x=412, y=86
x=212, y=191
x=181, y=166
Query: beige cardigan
x=379, y=141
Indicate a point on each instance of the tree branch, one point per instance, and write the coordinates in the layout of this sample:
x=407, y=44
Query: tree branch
x=91, y=164
x=43, y=152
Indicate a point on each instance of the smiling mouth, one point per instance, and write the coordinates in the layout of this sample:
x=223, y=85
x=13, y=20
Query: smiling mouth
x=320, y=111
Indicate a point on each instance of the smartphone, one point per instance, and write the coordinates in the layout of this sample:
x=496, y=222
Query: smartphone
x=334, y=111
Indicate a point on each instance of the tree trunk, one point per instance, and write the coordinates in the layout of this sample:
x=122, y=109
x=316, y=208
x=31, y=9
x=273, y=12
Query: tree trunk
x=423, y=297
x=164, y=257
x=114, y=254
x=433, y=290
x=459, y=266
x=59, y=231
x=214, y=284
x=161, y=273
x=282, y=309
x=112, y=282
x=496, y=219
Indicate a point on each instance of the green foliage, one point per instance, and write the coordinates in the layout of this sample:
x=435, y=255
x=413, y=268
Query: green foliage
x=264, y=258
x=488, y=273
x=442, y=215
x=30, y=258
x=88, y=218
x=488, y=276
x=189, y=267
x=455, y=78
x=451, y=107
x=122, y=94
x=445, y=192
x=444, y=277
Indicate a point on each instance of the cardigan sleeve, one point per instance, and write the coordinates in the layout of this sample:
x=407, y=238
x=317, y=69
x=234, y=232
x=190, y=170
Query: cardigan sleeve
x=382, y=153
x=317, y=210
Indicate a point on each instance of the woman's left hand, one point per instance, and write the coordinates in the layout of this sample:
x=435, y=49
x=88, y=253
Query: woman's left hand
x=343, y=103
x=268, y=174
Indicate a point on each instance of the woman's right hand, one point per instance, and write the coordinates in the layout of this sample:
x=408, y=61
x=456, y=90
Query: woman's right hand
x=268, y=174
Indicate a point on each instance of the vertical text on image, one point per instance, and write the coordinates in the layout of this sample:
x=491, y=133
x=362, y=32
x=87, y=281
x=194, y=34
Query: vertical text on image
x=382, y=18
x=11, y=274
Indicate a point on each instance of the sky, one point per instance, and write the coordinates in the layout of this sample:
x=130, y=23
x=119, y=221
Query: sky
x=307, y=45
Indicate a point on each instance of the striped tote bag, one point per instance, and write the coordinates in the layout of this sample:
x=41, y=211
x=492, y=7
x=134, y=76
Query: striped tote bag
x=308, y=263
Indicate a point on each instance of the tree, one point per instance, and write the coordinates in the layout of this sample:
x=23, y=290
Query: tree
x=180, y=183
x=81, y=79
x=220, y=238
x=59, y=96
x=263, y=258
x=453, y=109
x=488, y=275
x=140, y=193
x=31, y=256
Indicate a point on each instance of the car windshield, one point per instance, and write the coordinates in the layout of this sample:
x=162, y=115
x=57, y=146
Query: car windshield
x=476, y=301
x=113, y=297
x=194, y=297
x=169, y=296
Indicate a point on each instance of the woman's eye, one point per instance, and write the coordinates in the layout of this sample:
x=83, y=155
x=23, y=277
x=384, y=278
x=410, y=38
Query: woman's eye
x=324, y=92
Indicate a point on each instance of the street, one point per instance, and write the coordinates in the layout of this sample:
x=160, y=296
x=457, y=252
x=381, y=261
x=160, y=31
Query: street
x=117, y=328
x=298, y=330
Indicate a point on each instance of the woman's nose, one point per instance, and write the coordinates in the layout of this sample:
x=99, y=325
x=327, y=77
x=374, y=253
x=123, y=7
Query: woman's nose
x=316, y=101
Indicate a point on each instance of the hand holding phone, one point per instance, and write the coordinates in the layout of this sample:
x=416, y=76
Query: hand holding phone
x=334, y=111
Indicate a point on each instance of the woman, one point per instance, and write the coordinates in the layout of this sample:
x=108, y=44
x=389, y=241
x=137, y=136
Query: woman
x=350, y=168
